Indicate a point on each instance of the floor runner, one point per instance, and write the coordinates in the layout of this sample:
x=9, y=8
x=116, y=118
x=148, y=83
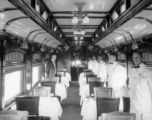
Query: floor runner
x=71, y=105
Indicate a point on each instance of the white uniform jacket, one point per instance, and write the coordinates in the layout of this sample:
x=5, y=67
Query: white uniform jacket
x=140, y=83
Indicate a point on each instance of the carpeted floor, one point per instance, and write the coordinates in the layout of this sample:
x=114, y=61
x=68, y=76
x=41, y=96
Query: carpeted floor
x=71, y=105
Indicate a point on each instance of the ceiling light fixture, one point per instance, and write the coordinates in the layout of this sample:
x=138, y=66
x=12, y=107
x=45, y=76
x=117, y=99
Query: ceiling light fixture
x=76, y=38
x=75, y=20
x=79, y=32
x=86, y=19
x=80, y=16
x=81, y=38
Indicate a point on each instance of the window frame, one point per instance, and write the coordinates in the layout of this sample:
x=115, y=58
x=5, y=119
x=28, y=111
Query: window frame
x=22, y=90
x=40, y=69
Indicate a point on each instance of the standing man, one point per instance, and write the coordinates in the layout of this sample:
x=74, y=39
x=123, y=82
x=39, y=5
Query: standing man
x=51, y=67
x=117, y=75
x=140, y=80
x=102, y=69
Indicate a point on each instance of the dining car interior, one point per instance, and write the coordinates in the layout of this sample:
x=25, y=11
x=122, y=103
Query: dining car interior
x=75, y=59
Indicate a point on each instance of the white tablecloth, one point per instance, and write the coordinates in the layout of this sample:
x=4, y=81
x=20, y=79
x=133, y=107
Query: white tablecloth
x=89, y=109
x=60, y=90
x=84, y=92
x=65, y=81
x=82, y=80
x=50, y=107
x=147, y=116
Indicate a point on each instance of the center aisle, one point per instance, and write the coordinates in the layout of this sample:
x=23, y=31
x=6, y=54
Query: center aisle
x=71, y=105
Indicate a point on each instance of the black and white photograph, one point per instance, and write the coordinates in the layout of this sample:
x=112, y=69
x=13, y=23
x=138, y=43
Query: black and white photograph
x=75, y=59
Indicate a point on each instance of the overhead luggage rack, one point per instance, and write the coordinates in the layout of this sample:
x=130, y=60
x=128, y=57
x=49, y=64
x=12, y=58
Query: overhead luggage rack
x=15, y=22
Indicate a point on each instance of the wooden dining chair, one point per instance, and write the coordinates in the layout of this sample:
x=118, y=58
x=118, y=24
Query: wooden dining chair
x=102, y=92
x=42, y=91
x=126, y=104
x=94, y=82
x=30, y=104
x=106, y=105
x=50, y=84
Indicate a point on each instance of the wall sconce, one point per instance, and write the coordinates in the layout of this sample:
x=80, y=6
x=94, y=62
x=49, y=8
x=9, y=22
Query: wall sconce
x=134, y=46
x=24, y=44
x=115, y=49
x=42, y=48
x=105, y=51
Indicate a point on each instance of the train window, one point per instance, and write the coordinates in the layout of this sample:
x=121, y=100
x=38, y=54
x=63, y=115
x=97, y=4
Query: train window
x=36, y=74
x=11, y=90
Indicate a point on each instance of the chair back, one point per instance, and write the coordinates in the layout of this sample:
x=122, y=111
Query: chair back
x=106, y=105
x=118, y=116
x=42, y=91
x=87, y=70
x=102, y=92
x=30, y=104
x=126, y=104
x=94, y=82
x=50, y=84
x=89, y=76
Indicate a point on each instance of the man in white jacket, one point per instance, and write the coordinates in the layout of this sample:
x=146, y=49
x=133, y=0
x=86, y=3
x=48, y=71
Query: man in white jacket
x=140, y=83
x=102, y=69
x=117, y=74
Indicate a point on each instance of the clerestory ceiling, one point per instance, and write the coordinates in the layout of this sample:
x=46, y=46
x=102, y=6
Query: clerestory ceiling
x=64, y=10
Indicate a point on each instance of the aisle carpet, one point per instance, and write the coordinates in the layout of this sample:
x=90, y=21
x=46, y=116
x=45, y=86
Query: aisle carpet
x=71, y=105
